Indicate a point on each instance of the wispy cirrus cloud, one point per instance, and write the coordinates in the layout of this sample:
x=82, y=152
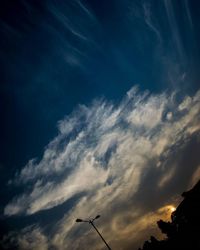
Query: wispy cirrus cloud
x=112, y=154
x=174, y=28
x=148, y=20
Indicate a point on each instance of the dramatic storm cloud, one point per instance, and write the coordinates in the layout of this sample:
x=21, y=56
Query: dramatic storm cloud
x=122, y=160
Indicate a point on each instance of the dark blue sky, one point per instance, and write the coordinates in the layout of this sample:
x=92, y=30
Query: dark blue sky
x=55, y=55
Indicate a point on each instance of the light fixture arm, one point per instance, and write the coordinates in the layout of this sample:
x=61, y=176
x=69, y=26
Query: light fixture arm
x=91, y=222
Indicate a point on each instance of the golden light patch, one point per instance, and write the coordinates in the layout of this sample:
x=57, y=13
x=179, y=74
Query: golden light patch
x=166, y=211
x=172, y=208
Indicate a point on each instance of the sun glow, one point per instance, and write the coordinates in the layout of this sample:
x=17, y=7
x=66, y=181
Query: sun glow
x=172, y=209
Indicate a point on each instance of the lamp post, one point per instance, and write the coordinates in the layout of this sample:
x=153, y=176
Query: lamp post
x=92, y=223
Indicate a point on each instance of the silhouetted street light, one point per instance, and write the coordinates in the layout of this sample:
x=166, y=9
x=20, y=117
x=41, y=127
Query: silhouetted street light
x=91, y=222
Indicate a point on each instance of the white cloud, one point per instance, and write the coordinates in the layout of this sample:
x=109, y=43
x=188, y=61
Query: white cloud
x=148, y=114
x=30, y=237
x=106, y=151
x=33, y=239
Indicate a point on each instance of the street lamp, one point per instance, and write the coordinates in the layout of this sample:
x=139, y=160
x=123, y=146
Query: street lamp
x=91, y=222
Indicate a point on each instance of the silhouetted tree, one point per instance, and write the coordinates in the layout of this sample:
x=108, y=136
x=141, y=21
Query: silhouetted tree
x=167, y=228
x=183, y=232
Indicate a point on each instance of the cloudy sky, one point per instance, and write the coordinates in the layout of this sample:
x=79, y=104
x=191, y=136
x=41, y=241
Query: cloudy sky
x=100, y=114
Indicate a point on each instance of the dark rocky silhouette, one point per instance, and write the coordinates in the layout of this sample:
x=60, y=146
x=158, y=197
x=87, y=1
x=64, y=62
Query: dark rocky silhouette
x=183, y=232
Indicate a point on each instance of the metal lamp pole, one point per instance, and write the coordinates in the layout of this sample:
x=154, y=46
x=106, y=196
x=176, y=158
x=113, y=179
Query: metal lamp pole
x=91, y=222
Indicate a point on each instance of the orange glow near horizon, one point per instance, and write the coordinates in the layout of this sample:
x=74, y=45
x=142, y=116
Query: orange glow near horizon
x=172, y=208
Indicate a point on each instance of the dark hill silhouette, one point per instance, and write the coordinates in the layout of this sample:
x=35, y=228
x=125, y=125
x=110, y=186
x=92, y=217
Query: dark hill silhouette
x=183, y=232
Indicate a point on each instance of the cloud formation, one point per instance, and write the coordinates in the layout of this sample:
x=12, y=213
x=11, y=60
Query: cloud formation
x=122, y=159
x=147, y=18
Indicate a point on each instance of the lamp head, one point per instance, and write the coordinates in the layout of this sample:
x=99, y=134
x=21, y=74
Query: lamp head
x=79, y=220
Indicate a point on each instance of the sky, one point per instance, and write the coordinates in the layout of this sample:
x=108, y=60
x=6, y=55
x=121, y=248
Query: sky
x=100, y=114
